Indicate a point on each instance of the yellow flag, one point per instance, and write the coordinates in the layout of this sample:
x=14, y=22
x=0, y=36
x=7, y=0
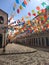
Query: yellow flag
x=33, y=11
x=26, y=16
x=21, y=7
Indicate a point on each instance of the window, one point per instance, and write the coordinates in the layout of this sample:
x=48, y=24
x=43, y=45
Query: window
x=1, y=20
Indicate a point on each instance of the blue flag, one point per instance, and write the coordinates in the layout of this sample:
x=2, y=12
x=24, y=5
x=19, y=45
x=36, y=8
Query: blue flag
x=17, y=1
x=23, y=4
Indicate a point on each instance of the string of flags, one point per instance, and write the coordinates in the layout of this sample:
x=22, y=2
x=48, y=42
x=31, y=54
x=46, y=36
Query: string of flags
x=33, y=13
x=40, y=23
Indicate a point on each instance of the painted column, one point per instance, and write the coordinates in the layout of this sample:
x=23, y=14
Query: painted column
x=44, y=41
x=31, y=41
x=38, y=41
x=35, y=41
x=25, y=41
x=41, y=41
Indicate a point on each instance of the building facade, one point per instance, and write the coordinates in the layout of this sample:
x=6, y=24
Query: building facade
x=3, y=25
x=36, y=39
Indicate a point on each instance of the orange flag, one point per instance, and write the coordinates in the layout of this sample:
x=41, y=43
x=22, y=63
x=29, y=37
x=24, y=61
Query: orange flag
x=38, y=8
x=25, y=2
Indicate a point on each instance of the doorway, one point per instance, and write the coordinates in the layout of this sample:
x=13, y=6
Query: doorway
x=47, y=41
x=0, y=40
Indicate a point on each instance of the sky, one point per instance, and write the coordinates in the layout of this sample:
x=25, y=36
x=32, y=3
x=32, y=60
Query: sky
x=7, y=6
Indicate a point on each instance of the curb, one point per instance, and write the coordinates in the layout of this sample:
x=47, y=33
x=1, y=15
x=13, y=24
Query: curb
x=17, y=53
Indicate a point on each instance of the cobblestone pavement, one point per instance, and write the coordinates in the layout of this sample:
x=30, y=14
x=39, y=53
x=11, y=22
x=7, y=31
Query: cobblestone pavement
x=37, y=58
x=16, y=48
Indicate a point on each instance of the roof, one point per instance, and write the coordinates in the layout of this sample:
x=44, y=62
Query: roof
x=3, y=11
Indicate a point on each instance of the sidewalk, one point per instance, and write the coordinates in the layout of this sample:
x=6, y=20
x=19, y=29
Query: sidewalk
x=16, y=48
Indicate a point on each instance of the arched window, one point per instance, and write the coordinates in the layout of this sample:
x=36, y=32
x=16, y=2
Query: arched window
x=1, y=20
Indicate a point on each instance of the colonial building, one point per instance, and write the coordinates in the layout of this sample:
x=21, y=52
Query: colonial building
x=36, y=39
x=3, y=25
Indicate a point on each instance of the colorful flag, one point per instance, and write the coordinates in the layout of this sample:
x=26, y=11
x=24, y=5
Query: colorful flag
x=29, y=13
x=38, y=8
x=14, y=6
x=34, y=14
x=47, y=7
x=33, y=11
x=18, y=11
x=43, y=4
x=23, y=4
x=39, y=12
x=21, y=7
x=17, y=1
x=43, y=10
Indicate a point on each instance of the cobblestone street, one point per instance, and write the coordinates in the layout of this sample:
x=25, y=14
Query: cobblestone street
x=37, y=58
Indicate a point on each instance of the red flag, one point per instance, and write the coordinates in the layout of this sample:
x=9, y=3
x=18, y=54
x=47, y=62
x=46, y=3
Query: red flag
x=18, y=10
x=29, y=13
x=43, y=10
x=34, y=14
